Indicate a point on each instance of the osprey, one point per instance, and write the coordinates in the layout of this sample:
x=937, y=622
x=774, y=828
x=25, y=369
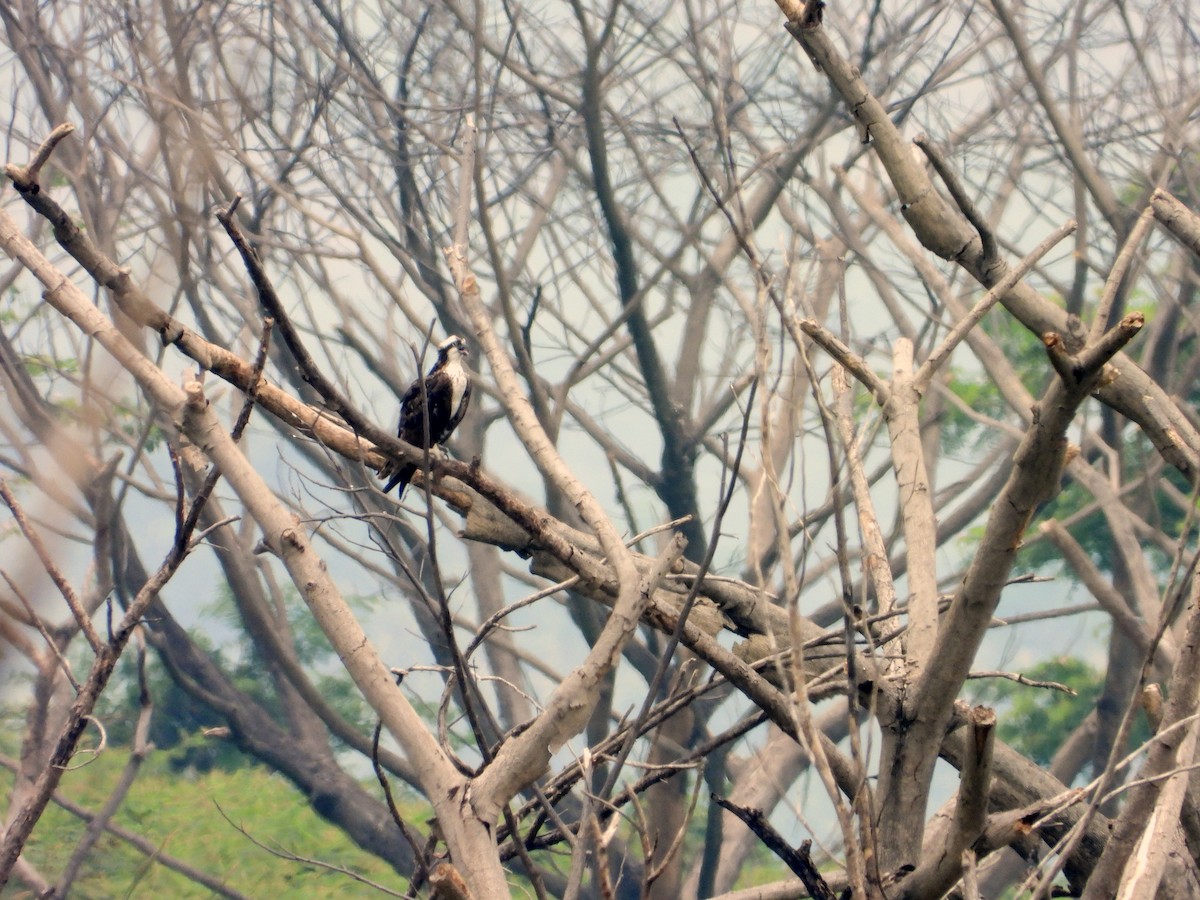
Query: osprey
x=447, y=393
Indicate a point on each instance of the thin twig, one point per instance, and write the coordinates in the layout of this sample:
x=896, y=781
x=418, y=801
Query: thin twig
x=847, y=358
x=956, y=335
x=60, y=581
x=151, y=850
x=140, y=749
x=305, y=860
x=668, y=651
x=1028, y=682
x=419, y=854
x=964, y=203
x=37, y=623
x=798, y=860
x=25, y=178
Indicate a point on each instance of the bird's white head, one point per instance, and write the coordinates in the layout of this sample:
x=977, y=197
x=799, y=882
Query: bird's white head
x=453, y=348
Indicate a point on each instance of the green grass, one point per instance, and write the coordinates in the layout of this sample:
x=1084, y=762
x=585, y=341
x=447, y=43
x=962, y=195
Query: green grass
x=180, y=815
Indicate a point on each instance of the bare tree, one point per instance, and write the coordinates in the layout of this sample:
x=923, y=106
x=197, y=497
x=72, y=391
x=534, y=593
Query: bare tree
x=794, y=347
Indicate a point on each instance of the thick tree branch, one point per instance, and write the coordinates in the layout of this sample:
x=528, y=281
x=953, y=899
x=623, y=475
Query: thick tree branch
x=465, y=834
x=942, y=865
x=1177, y=219
x=941, y=229
x=1038, y=464
x=1164, y=757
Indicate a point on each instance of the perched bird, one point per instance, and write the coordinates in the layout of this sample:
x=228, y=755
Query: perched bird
x=447, y=393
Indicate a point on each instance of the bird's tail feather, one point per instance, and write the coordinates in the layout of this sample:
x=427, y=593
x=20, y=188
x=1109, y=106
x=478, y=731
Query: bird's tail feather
x=402, y=477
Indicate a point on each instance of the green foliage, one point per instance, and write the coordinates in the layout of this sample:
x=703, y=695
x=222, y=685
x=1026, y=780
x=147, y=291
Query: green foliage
x=178, y=719
x=960, y=432
x=180, y=816
x=963, y=435
x=1035, y=721
x=1091, y=530
x=41, y=364
x=176, y=723
x=134, y=422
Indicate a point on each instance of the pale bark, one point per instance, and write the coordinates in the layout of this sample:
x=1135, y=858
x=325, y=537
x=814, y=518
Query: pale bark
x=470, y=841
x=645, y=186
